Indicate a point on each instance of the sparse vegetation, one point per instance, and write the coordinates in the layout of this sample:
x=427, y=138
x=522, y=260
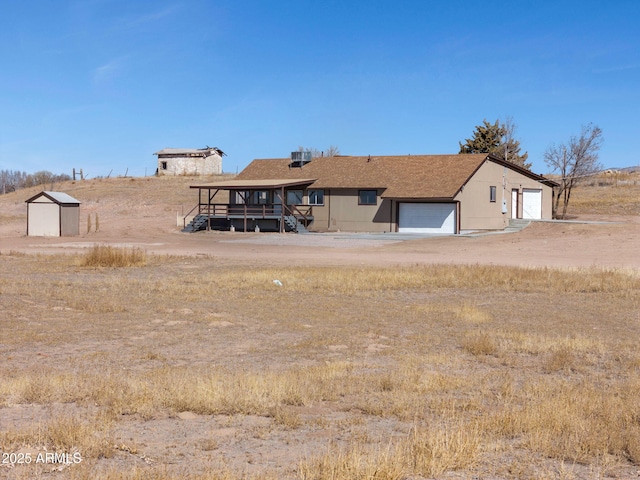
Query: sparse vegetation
x=413, y=372
x=113, y=257
x=610, y=193
x=203, y=368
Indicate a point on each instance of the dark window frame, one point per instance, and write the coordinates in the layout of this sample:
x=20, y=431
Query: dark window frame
x=298, y=197
x=260, y=197
x=311, y=195
x=242, y=197
x=365, y=195
x=493, y=193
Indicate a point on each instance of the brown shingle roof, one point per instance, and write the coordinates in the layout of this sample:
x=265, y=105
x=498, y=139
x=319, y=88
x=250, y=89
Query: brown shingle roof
x=411, y=176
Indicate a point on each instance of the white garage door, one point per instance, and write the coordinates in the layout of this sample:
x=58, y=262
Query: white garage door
x=427, y=218
x=532, y=204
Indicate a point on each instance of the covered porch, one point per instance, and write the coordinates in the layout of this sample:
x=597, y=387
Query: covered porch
x=269, y=205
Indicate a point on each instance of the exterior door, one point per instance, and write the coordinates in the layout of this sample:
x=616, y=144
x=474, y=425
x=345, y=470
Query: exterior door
x=514, y=203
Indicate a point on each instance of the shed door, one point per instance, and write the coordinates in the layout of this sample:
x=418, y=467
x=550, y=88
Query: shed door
x=44, y=219
x=427, y=218
x=532, y=204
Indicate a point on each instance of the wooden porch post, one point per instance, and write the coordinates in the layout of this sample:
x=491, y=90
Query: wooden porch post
x=282, y=209
x=209, y=210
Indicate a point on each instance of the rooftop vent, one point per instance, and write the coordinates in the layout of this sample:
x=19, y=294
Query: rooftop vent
x=298, y=159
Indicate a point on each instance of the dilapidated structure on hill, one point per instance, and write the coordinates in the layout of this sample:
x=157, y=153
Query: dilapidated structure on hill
x=190, y=161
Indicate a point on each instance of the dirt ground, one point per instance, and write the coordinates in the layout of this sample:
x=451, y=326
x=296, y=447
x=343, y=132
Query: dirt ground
x=586, y=241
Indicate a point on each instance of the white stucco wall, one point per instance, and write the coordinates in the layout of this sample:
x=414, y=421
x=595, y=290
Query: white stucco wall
x=211, y=165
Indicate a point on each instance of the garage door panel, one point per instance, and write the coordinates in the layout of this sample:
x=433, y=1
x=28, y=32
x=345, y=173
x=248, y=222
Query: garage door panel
x=532, y=204
x=427, y=218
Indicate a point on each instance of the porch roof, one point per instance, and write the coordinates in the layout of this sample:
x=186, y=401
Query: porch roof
x=255, y=184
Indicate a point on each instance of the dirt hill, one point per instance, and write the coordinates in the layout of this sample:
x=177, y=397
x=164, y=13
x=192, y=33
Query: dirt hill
x=121, y=200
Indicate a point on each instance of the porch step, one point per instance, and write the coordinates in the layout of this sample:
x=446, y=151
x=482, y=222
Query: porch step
x=198, y=223
x=517, y=224
x=294, y=224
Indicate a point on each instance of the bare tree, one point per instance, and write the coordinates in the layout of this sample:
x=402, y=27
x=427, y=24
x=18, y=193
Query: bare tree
x=11, y=181
x=332, y=151
x=574, y=160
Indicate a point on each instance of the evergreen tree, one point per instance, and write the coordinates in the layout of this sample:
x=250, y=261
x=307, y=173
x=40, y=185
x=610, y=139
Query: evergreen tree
x=497, y=139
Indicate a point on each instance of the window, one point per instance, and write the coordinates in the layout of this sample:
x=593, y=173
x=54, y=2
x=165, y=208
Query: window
x=492, y=193
x=241, y=197
x=260, y=197
x=367, y=197
x=163, y=165
x=316, y=197
x=294, y=197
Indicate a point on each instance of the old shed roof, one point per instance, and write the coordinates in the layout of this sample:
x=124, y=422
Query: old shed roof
x=198, y=152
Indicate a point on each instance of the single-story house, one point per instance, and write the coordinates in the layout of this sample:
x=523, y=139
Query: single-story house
x=53, y=214
x=190, y=161
x=412, y=194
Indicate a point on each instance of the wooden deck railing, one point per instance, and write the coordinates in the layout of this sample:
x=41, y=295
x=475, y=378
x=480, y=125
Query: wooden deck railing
x=218, y=210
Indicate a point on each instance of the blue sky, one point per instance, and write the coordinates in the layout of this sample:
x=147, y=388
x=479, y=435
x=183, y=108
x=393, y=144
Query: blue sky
x=103, y=84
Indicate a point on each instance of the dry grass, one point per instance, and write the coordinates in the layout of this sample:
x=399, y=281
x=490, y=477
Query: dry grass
x=608, y=194
x=113, y=257
x=417, y=371
x=91, y=437
x=481, y=343
x=427, y=451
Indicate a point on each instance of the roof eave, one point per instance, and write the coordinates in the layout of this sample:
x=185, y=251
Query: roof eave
x=418, y=199
x=522, y=170
x=469, y=177
x=44, y=193
x=254, y=184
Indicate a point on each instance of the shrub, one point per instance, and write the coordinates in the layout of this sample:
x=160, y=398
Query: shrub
x=107, y=256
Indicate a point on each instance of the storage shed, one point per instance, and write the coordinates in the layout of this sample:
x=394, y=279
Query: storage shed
x=53, y=214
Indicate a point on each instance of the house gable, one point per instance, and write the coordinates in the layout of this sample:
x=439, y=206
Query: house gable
x=486, y=198
x=60, y=198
